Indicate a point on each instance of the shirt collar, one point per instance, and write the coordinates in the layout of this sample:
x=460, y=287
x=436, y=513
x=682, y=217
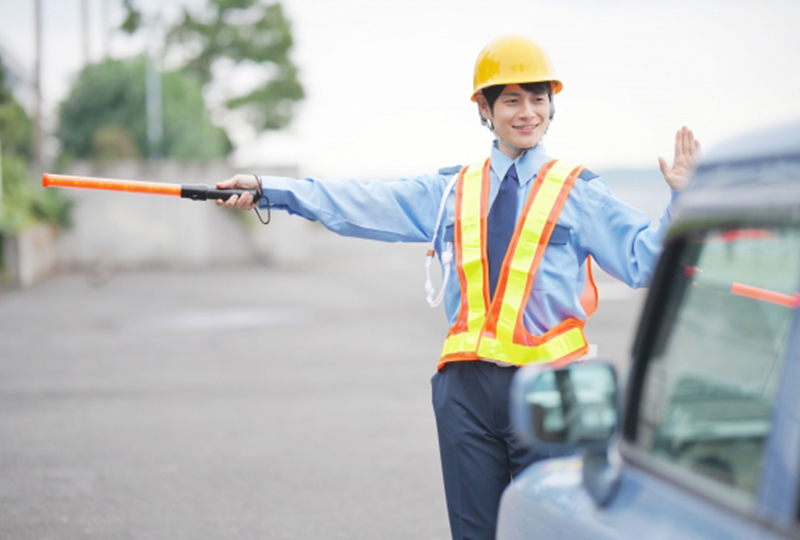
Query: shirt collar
x=528, y=164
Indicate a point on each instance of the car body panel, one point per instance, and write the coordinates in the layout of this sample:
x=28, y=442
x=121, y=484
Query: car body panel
x=549, y=501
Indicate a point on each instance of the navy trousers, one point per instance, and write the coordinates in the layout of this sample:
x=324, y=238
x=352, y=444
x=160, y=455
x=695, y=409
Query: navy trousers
x=479, y=453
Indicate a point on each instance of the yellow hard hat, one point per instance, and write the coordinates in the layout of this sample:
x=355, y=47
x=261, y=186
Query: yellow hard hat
x=513, y=60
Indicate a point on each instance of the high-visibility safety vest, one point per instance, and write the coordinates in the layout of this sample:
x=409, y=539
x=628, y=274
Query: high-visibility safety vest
x=493, y=329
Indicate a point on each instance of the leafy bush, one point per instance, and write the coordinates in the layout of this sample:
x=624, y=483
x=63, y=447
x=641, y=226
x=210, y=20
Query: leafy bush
x=25, y=203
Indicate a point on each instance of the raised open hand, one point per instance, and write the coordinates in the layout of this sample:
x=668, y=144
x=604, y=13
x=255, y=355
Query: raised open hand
x=687, y=152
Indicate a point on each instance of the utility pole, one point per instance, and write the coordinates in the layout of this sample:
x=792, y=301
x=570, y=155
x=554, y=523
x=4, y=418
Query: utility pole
x=85, y=31
x=36, y=134
x=104, y=16
x=155, y=120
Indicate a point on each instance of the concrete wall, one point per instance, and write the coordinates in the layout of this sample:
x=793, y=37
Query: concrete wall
x=30, y=256
x=123, y=231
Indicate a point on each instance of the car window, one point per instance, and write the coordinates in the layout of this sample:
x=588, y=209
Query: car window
x=709, y=389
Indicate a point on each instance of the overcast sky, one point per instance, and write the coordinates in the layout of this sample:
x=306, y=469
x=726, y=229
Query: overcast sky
x=388, y=82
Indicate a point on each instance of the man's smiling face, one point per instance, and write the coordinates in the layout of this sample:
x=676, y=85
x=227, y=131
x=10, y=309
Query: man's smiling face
x=520, y=118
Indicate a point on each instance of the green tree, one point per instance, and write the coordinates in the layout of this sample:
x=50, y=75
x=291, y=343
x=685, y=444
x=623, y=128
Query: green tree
x=104, y=115
x=239, y=33
x=15, y=125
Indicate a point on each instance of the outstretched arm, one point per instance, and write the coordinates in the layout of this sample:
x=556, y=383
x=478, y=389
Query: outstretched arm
x=687, y=151
x=402, y=210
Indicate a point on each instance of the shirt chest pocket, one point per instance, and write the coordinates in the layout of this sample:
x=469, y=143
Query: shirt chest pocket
x=559, y=237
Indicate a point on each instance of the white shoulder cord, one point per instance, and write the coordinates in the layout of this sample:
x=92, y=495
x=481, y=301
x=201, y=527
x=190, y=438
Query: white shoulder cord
x=447, y=253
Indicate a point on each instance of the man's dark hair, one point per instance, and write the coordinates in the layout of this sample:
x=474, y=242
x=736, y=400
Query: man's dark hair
x=491, y=93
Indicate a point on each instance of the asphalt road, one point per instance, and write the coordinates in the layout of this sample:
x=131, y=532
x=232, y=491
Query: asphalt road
x=233, y=402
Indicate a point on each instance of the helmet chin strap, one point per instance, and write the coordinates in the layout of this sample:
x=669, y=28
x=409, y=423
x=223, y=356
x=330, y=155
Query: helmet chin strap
x=490, y=126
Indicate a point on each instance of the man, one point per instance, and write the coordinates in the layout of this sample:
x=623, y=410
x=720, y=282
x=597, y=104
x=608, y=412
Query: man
x=517, y=231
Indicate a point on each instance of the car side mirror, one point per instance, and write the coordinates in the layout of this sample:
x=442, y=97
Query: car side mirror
x=574, y=407
x=571, y=409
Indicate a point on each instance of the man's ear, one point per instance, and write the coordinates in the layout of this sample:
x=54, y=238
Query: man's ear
x=483, y=108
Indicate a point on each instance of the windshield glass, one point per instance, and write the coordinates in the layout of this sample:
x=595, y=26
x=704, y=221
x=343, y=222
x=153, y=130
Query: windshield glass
x=710, y=386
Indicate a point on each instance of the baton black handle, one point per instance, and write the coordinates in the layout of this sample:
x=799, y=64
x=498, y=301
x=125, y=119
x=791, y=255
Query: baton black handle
x=198, y=192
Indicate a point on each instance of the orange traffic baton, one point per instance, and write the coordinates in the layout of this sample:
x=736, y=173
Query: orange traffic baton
x=196, y=192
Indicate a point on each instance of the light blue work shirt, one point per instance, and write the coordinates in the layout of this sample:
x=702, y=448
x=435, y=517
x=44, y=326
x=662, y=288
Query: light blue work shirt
x=592, y=222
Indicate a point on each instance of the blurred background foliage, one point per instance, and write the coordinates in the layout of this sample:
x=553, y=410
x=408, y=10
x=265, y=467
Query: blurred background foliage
x=212, y=43
x=26, y=203
x=23, y=201
x=104, y=116
x=242, y=33
x=15, y=125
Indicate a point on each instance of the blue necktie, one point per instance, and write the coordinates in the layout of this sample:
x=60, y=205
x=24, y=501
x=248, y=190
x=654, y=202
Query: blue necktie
x=501, y=224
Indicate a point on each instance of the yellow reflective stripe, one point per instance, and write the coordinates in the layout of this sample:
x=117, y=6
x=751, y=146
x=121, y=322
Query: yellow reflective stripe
x=459, y=343
x=471, y=249
x=526, y=248
x=553, y=349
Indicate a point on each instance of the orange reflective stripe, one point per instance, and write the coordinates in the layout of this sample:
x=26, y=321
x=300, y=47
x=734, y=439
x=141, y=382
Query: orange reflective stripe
x=461, y=323
x=589, y=295
x=457, y=357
